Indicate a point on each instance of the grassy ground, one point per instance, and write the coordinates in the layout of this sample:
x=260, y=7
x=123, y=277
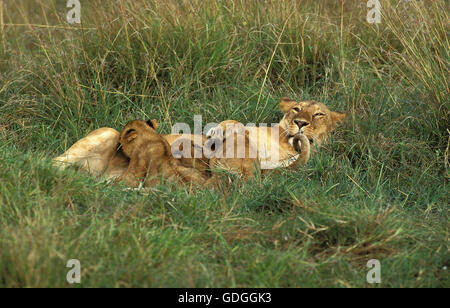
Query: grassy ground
x=378, y=190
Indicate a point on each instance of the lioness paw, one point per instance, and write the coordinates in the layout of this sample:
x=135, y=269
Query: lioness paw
x=299, y=142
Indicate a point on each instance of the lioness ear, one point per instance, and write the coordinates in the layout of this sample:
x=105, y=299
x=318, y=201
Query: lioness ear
x=153, y=124
x=337, y=118
x=286, y=104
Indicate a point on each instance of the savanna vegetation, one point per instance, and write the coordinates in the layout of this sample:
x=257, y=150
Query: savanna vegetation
x=377, y=190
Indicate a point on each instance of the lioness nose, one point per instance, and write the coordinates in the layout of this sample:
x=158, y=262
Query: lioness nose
x=301, y=123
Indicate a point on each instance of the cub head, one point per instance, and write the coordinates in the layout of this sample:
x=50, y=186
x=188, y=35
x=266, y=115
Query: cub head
x=135, y=129
x=314, y=119
x=216, y=136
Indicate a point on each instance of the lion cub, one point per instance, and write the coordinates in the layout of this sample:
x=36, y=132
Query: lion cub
x=151, y=158
x=232, y=150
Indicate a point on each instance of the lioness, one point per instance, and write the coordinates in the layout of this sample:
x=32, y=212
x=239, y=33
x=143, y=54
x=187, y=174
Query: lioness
x=289, y=143
x=151, y=157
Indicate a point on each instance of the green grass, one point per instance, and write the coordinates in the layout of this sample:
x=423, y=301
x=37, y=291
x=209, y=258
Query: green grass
x=378, y=190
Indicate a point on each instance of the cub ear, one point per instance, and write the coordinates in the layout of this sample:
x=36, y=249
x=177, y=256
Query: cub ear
x=131, y=135
x=286, y=104
x=153, y=124
x=337, y=118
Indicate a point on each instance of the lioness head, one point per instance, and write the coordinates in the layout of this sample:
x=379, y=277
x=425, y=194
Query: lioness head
x=314, y=119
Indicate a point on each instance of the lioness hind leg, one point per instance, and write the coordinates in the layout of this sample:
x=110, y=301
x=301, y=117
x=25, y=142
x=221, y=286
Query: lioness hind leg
x=96, y=153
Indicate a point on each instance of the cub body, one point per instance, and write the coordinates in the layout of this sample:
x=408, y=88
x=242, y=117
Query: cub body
x=151, y=158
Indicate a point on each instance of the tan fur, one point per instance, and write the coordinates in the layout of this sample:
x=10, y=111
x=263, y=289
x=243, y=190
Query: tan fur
x=151, y=158
x=318, y=120
x=243, y=160
x=286, y=144
x=188, y=159
x=99, y=153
